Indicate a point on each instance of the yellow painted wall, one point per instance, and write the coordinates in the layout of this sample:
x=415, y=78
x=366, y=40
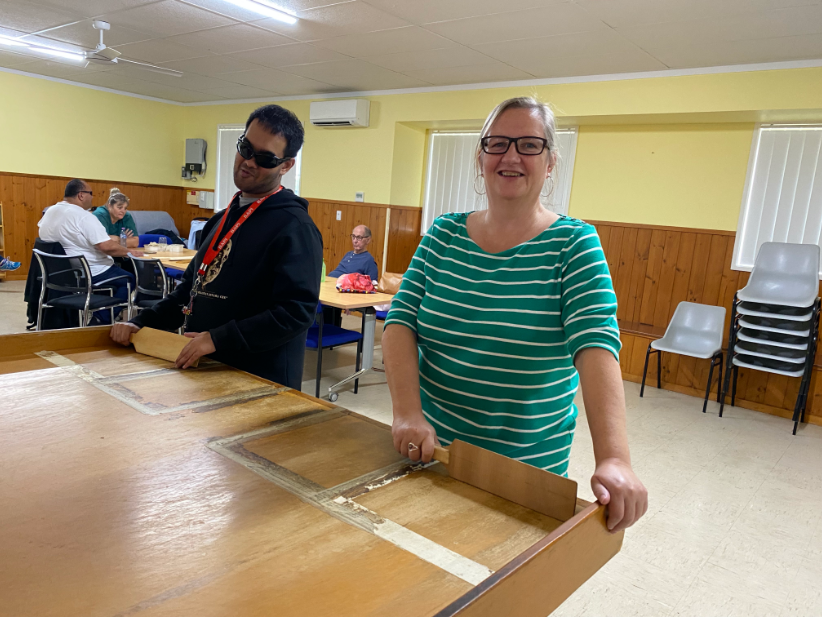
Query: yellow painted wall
x=650, y=150
x=680, y=175
x=56, y=129
x=339, y=162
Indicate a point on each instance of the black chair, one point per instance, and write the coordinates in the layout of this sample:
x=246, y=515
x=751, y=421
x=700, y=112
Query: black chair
x=198, y=238
x=152, y=283
x=321, y=336
x=53, y=320
x=70, y=278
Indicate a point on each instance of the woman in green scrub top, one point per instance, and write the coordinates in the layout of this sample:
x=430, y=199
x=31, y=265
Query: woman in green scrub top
x=115, y=217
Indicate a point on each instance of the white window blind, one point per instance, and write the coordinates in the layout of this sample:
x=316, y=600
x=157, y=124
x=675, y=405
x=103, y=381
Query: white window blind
x=449, y=181
x=782, y=201
x=227, y=136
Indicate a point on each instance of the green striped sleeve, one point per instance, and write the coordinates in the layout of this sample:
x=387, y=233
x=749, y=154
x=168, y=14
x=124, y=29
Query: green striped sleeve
x=406, y=302
x=589, y=303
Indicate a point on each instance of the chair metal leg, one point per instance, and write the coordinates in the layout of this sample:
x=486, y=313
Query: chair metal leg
x=730, y=368
x=802, y=398
x=39, y=317
x=658, y=370
x=708, y=389
x=645, y=371
x=733, y=391
x=319, y=356
x=804, y=388
x=796, y=411
x=719, y=380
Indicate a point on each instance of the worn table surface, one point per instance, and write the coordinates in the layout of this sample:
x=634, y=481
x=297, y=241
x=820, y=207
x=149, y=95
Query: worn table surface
x=132, y=488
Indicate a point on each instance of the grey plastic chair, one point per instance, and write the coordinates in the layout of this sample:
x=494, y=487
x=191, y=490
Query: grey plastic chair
x=788, y=313
x=784, y=274
x=696, y=331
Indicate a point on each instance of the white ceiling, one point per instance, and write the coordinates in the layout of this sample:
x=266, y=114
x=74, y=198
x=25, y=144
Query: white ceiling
x=226, y=52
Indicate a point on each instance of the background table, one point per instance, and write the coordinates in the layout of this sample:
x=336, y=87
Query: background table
x=177, y=261
x=130, y=487
x=329, y=296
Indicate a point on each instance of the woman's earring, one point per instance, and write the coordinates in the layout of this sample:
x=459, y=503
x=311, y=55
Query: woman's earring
x=481, y=179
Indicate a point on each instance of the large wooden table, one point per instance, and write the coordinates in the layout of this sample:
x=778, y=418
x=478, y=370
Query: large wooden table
x=132, y=488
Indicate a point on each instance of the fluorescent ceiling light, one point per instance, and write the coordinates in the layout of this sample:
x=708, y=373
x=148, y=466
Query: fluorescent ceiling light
x=41, y=49
x=4, y=40
x=264, y=7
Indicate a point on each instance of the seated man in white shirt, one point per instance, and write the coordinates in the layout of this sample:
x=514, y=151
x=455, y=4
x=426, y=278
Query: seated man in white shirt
x=70, y=223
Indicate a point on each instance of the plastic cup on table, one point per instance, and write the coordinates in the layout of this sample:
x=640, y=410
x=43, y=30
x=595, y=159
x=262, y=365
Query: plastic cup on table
x=163, y=242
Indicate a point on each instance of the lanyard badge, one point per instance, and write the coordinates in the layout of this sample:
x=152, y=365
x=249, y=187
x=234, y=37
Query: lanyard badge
x=212, y=252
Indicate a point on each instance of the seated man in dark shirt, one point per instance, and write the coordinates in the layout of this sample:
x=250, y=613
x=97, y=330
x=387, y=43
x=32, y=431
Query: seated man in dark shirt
x=359, y=260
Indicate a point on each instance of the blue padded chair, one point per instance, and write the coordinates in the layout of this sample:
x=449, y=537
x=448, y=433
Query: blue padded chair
x=322, y=336
x=149, y=238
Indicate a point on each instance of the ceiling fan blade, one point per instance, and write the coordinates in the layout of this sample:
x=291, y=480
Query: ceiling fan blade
x=151, y=67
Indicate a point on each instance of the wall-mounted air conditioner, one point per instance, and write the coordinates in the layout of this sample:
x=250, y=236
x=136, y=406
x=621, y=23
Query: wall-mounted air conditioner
x=350, y=112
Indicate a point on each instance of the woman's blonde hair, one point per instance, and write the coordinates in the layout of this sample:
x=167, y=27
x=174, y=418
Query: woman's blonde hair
x=542, y=110
x=116, y=197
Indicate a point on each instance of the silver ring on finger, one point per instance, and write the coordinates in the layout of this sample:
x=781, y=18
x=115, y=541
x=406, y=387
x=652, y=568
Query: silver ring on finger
x=412, y=447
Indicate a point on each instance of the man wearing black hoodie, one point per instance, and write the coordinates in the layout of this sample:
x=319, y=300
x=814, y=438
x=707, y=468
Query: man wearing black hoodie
x=250, y=294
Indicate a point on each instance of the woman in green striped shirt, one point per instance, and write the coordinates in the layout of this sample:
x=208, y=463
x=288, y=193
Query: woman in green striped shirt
x=502, y=315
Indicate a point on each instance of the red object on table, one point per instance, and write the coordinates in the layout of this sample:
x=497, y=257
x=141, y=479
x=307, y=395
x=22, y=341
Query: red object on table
x=355, y=283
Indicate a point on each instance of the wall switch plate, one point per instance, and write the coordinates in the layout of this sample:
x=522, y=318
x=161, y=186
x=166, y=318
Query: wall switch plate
x=339, y=215
x=359, y=196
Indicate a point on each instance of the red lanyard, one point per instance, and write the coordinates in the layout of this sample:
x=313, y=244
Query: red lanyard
x=211, y=252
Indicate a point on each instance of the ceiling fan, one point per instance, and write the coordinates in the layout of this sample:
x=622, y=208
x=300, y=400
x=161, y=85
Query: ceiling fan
x=106, y=55
x=101, y=54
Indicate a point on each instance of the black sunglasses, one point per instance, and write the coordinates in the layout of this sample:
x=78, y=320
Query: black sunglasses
x=263, y=159
x=89, y=192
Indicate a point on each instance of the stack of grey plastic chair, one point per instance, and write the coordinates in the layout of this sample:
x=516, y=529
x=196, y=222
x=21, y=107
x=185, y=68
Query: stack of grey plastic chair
x=775, y=319
x=695, y=330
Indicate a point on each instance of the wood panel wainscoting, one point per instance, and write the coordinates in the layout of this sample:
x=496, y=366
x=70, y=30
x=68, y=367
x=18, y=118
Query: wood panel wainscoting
x=25, y=196
x=395, y=231
x=654, y=268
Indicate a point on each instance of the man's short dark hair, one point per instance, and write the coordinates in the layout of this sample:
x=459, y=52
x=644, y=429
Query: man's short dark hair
x=279, y=121
x=75, y=187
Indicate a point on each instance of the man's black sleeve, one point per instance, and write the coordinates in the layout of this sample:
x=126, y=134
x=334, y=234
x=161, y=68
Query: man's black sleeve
x=296, y=261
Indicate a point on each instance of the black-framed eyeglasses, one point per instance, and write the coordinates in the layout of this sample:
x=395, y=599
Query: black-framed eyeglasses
x=499, y=144
x=90, y=193
x=359, y=238
x=263, y=159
